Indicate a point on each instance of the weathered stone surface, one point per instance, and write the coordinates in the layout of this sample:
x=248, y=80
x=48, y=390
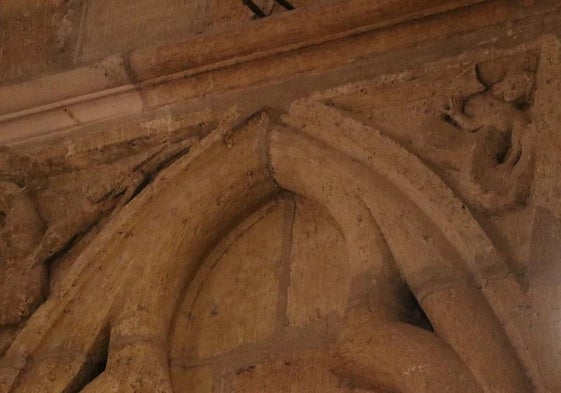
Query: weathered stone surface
x=104, y=75
x=37, y=36
x=392, y=48
x=389, y=224
x=370, y=348
x=237, y=304
x=296, y=374
x=193, y=379
x=113, y=27
x=547, y=196
x=280, y=35
x=117, y=26
x=226, y=13
x=320, y=274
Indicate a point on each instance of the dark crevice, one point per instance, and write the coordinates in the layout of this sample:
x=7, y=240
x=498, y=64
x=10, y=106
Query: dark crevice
x=151, y=175
x=110, y=195
x=522, y=106
x=50, y=260
x=448, y=119
x=170, y=160
x=141, y=186
x=481, y=79
x=416, y=315
x=285, y=4
x=505, y=150
x=259, y=13
x=95, y=364
x=67, y=246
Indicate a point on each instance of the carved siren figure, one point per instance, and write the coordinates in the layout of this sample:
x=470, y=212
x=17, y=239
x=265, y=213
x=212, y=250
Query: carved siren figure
x=498, y=173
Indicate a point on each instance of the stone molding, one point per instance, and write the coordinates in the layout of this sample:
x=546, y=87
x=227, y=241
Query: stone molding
x=164, y=233
x=150, y=78
x=132, y=221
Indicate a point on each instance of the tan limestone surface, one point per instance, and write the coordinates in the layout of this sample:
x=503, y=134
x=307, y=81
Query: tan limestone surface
x=340, y=228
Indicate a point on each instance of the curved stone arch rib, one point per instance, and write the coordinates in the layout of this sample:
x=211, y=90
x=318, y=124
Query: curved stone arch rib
x=120, y=283
x=408, y=173
x=172, y=223
x=304, y=167
x=427, y=191
x=482, y=346
x=85, y=269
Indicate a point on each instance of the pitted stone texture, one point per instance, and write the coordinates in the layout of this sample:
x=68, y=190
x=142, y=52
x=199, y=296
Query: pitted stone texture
x=238, y=302
x=192, y=379
x=319, y=267
x=295, y=374
x=115, y=26
x=226, y=13
x=37, y=36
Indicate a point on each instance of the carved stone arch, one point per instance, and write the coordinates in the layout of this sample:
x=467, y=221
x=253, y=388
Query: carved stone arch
x=445, y=257
x=170, y=222
x=139, y=266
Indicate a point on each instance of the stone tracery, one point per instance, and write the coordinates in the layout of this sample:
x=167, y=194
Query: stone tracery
x=120, y=300
x=294, y=158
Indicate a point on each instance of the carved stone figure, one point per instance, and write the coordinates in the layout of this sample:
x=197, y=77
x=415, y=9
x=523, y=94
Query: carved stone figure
x=499, y=170
x=355, y=237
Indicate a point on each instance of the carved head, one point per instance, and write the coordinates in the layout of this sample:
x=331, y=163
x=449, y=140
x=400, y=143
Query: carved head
x=517, y=86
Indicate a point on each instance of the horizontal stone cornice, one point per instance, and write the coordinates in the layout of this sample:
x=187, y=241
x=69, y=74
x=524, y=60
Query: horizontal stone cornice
x=142, y=80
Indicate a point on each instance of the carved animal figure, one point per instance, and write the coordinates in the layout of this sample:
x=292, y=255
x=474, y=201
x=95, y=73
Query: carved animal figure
x=499, y=116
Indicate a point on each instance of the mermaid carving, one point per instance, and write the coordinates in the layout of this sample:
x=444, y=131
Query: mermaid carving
x=498, y=172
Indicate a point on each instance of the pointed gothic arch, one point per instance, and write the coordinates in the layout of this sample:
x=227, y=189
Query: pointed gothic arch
x=134, y=273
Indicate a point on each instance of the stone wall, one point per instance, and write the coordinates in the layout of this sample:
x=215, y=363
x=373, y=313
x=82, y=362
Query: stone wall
x=368, y=202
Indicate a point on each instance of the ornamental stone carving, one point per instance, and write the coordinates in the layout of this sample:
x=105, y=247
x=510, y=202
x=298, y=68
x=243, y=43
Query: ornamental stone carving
x=397, y=234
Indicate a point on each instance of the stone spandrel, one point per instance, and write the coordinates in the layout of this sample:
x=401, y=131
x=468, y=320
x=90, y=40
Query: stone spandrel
x=391, y=155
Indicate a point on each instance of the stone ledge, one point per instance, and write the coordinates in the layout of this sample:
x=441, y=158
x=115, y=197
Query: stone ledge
x=159, y=74
x=281, y=33
x=39, y=94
